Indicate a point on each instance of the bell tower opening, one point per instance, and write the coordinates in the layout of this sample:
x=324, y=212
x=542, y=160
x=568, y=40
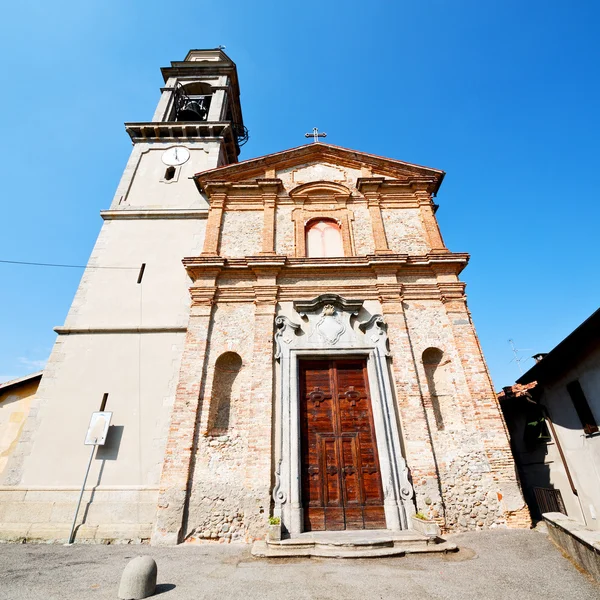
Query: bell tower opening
x=192, y=102
x=200, y=103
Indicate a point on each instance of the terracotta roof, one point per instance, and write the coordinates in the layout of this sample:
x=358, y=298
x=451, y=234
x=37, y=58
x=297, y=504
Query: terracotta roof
x=25, y=379
x=255, y=167
x=516, y=391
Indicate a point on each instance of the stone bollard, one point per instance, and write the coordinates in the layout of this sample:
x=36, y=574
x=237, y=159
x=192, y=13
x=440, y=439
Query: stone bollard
x=138, y=579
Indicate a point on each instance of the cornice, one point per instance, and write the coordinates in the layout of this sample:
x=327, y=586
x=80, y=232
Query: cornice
x=388, y=187
x=119, y=330
x=157, y=213
x=302, y=295
x=174, y=131
x=445, y=263
x=257, y=167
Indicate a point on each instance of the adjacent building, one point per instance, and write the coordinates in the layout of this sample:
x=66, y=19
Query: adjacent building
x=553, y=414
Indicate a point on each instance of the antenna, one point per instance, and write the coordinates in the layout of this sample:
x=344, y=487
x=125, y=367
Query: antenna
x=518, y=359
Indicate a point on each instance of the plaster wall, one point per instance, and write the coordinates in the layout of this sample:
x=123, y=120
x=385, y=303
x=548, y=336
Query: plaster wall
x=541, y=465
x=111, y=297
x=14, y=409
x=241, y=233
x=139, y=372
x=284, y=230
x=310, y=172
x=362, y=230
x=143, y=182
x=404, y=230
x=582, y=451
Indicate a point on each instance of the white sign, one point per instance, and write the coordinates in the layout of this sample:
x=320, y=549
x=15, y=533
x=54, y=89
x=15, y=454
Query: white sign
x=96, y=433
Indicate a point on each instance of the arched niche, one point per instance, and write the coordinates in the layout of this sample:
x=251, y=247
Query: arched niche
x=439, y=382
x=225, y=391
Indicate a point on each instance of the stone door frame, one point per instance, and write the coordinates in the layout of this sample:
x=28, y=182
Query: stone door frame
x=304, y=341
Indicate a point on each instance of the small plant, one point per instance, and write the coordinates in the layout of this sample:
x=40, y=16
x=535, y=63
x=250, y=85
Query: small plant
x=274, y=521
x=421, y=516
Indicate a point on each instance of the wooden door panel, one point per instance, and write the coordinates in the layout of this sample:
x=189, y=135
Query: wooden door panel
x=354, y=517
x=335, y=519
x=341, y=481
x=331, y=471
x=351, y=469
x=314, y=518
x=374, y=517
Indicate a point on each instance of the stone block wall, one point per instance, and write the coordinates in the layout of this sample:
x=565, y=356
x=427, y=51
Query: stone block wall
x=222, y=505
x=477, y=483
x=107, y=514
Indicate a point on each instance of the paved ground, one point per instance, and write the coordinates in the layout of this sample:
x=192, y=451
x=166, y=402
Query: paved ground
x=491, y=565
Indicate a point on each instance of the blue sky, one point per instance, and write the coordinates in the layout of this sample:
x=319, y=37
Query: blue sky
x=503, y=96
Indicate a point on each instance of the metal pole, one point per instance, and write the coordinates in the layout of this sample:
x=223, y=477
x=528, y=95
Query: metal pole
x=87, y=471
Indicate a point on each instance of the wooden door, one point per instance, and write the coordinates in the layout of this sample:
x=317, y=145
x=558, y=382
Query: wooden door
x=341, y=480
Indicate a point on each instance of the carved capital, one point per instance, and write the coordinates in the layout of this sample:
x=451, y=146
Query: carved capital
x=375, y=330
x=203, y=296
x=285, y=333
x=369, y=185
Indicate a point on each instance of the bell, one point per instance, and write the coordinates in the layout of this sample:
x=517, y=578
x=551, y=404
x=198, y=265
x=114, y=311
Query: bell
x=192, y=111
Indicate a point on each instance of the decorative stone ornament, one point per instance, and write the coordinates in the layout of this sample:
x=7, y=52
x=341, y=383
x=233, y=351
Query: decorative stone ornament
x=329, y=328
x=138, y=579
x=426, y=527
x=274, y=532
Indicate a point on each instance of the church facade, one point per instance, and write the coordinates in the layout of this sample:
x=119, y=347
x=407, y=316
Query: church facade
x=284, y=336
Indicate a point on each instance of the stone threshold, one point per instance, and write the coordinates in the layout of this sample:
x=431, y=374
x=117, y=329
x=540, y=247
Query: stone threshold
x=352, y=544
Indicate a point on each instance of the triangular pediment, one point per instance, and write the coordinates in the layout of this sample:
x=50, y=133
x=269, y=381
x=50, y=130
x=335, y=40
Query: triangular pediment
x=324, y=158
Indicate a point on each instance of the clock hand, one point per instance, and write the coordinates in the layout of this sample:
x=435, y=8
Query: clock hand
x=175, y=153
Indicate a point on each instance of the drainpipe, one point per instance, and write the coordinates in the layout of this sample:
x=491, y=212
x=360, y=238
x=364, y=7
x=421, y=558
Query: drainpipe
x=563, y=458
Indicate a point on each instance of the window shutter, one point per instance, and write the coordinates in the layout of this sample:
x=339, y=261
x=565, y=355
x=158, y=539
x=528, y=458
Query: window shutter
x=582, y=407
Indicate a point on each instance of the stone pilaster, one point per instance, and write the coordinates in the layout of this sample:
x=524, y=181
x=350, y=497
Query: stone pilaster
x=217, y=193
x=432, y=230
x=181, y=440
x=258, y=460
x=420, y=456
x=370, y=189
x=269, y=189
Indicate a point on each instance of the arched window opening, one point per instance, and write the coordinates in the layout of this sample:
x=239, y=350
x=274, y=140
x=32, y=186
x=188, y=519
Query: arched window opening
x=324, y=239
x=192, y=101
x=438, y=381
x=225, y=391
x=169, y=173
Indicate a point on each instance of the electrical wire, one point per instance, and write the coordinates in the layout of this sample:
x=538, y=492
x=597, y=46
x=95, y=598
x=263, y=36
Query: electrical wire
x=37, y=264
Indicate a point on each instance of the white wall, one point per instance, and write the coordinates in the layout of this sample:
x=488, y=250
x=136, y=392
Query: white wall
x=582, y=451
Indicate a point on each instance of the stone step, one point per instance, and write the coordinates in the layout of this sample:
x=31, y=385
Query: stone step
x=261, y=549
x=352, y=544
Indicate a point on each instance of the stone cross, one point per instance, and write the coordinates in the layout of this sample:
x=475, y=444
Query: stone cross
x=315, y=134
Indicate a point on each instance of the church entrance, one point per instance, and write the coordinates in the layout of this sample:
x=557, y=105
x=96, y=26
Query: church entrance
x=341, y=478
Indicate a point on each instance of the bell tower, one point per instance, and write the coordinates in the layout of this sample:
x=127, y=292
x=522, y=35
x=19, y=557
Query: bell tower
x=200, y=101
x=125, y=331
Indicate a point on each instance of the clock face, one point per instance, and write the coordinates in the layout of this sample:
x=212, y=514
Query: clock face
x=176, y=156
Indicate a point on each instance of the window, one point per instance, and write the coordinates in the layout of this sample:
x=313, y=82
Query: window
x=584, y=412
x=324, y=238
